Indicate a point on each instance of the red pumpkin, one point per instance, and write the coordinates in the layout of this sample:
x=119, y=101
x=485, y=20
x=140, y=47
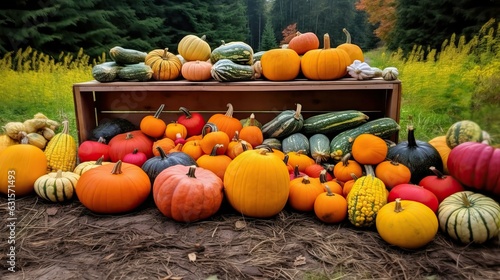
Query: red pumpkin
x=476, y=165
x=127, y=142
x=314, y=170
x=303, y=42
x=91, y=150
x=414, y=193
x=135, y=158
x=441, y=185
x=193, y=122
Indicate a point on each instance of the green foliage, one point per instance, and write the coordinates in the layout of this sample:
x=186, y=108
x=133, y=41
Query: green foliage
x=268, y=40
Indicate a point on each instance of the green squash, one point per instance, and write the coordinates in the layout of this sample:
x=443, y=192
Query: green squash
x=463, y=131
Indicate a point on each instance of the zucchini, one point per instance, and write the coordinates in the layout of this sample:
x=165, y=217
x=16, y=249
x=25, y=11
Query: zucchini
x=106, y=72
x=273, y=143
x=135, y=72
x=295, y=142
x=342, y=143
x=238, y=52
x=319, y=145
x=285, y=123
x=226, y=70
x=126, y=56
x=333, y=122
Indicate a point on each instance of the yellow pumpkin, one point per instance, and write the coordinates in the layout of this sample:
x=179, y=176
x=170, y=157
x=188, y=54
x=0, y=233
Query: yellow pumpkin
x=6, y=141
x=192, y=48
x=166, y=66
x=443, y=149
x=56, y=186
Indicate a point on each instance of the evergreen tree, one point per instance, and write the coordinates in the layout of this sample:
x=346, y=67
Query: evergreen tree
x=268, y=39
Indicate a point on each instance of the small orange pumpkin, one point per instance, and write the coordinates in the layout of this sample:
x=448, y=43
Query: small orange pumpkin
x=392, y=173
x=173, y=128
x=301, y=159
x=280, y=64
x=217, y=163
x=193, y=148
x=165, y=143
x=330, y=207
x=343, y=169
x=237, y=146
x=166, y=66
x=303, y=42
x=303, y=193
x=252, y=133
x=196, y=70
x=353, y=50
x=369, y=149
x=211, y=137
x=152, y=125
x=226, y=122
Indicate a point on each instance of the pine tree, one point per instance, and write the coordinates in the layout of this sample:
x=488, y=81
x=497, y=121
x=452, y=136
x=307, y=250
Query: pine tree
x=268, y=40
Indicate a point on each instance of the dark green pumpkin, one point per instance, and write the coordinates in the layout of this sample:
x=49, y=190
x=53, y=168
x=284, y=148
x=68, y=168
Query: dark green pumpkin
x=157, y=164
x=111, y=128
x=319, y=145
x=417, y=155
x=295, y=142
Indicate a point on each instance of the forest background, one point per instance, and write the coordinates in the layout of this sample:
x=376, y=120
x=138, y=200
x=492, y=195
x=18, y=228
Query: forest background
x=446, y=51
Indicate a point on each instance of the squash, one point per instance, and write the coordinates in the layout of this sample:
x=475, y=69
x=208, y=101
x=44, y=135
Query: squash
x=165, y=143
x=87, y=165
x=257, y=183
x=414, y=192
x=237, y=146
x=91, y=150
x=20, y=166
x=353, y=50
x=152, y=125
x=193, y=48
x=125, y=143
x=280, y=64
x=135, y=157
x=217, y=163
x=367, y=196
x=303, y=192
x=439, y=142
x=314, y=62
x=226, y=122
x=390, y=73
x=369, y=149
x=225, y=70
x=296, y=142
x=193, y=121
x=6, y=141
x=211, y=137
x=441, y=185
x=56, y=186
x=125, y=56
x=196, y=70
x=392, y=172
x=61, y=151
x=333, y=122
x=300, y=159
x=476, y=165
x=469, y=217
x=303, y=42
x=113, y=188
x=153, y=166
x=252, y=133
x=319, y=146
x=165, y=65
x=330, y=207
x=284, y=124
x=406, y=224
x=135, y=72
x=110, y=128
x=187, y=193
x=346, y=169
x=360, y=70
x=106, y=71
x=463, y=131
x=37, y=140
x=236, y=51
x=193, y=149
x=417, y=155
x=175, y=131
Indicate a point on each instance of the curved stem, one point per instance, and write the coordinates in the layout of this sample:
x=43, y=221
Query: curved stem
x=230, y=110
x=398, y=207
x=348, y=35
x=186, y=112
x=158, y=112
x=117, y=168
x=163, y=155
x=297, y=111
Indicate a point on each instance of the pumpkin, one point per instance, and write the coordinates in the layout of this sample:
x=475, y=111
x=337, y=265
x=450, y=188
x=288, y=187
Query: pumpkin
x=390, y=73
x=325, y=64
x=153, y=166
x=463, y=131
x=165, y=143
x=367, y=196
x=251, y=133
x=393, y=173
x=226, y=122
x=193, y=149
x=192, y=48
x=303, y=42
x=251, y=120
x=303, y=192
x=20, y=166
x=193, y=121
x=280, y=64
x=315, y=170
x=441, y=185
x=152, y=125
x=175, y=128
x=301, y=159
x=135, y=158
x=330, y=207
x=90, y=150
x=127, y=142
x=346, y=168
x=217, y=163
x=61, y=151
x=196, y=70
x=439, y=143
x=166, y=66
x=237, y=146
x=417, y=155
x=407, y=224
x=257, y=183
x=353, y=50
x=415, y=193
x=347, y=187
x=333, y=185
x=113, y=188
x=360, y=70
x=476, y=165
x=87, y=165
x=469, y=217
x=187, y=193
x=6, y=141
x=211, y=137
x=369, y=149
x=56, y=186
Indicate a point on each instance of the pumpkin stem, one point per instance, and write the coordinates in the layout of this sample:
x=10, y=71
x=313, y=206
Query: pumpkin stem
x=267, y=148
x=412, y=143
x=215, y=148
x=305, y=179
x=236, y=136
x=165, y=54
x=285, y=159
x=394, y=160
x=129, y=136
x=465, y=200
x=99, y=160
x=348, y=35
x=135, y=151
x=244, y=146
x=163, y=155
x=345, y=159
x=438, y=173
x=65, y=127
x=158, y=112
x=354, y=177
x=328, y=190
x=322, y=176
x=326, y=41
x=252, y=120
x=186, y=112
x=59, y=174
x=207, y=128
x=296, y=172
x=398, y=207
x=229, y=112
x=117, y=168
x=297, y=111
x=191, y=171
x=101, y=140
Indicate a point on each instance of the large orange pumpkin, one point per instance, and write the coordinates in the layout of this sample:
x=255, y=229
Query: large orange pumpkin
x=187, y=193
x=113, y=188
x=325, y=64
x=280, y=64
x=166, y=66
x=20, y=166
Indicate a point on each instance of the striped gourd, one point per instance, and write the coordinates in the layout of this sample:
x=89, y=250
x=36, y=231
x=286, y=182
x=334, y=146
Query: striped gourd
x=295, y=142
x=56, y=186
x=333, y=121
x=367, y=196
x=285, y=123
x=125, y=56
x=341, y=144
x=238, y=52
x=87, y=165
x=469, y=217
x=463, y=131
x=135, y=72
x=319, y=144
x=61, y=151
x=226, y=70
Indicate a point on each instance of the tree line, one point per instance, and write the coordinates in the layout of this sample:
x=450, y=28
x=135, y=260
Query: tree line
x=53, y=26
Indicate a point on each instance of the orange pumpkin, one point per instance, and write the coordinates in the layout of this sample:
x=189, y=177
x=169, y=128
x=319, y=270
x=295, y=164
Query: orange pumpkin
x=152, y=125
x=166, y=66
x=343, y=169
x=392, y=173
x=332, y=184
x=303, y=42
x=300, y=159
x=192, y=48
x=303, y=193
x=217, y=163
x=369, y=149
x=280, y=64
x=330, y=207
x=212, y=138
x=193, y=149
x=252, y=133
x=325, y=64
x=196, y=70
x=173, y=128
x=226, y=122
x=113, y=188
x=165, y=143
x=237, y=146
x=353, y=50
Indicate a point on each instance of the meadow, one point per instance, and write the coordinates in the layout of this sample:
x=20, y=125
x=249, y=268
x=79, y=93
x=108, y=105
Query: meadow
x=460, y=81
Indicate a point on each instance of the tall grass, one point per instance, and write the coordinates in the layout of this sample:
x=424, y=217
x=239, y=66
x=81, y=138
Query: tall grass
x=460, y=81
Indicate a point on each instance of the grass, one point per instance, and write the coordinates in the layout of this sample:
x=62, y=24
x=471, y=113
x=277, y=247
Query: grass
x=439, y=88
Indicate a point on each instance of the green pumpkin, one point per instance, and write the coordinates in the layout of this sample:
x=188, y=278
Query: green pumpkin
x=463, y=131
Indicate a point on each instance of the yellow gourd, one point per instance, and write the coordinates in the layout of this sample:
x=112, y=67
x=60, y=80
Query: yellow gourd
x=61, y=151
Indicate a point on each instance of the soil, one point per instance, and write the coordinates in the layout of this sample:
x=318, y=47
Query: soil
x=67, y=241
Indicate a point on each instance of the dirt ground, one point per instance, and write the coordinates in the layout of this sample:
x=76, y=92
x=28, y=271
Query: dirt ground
x=67, y=241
